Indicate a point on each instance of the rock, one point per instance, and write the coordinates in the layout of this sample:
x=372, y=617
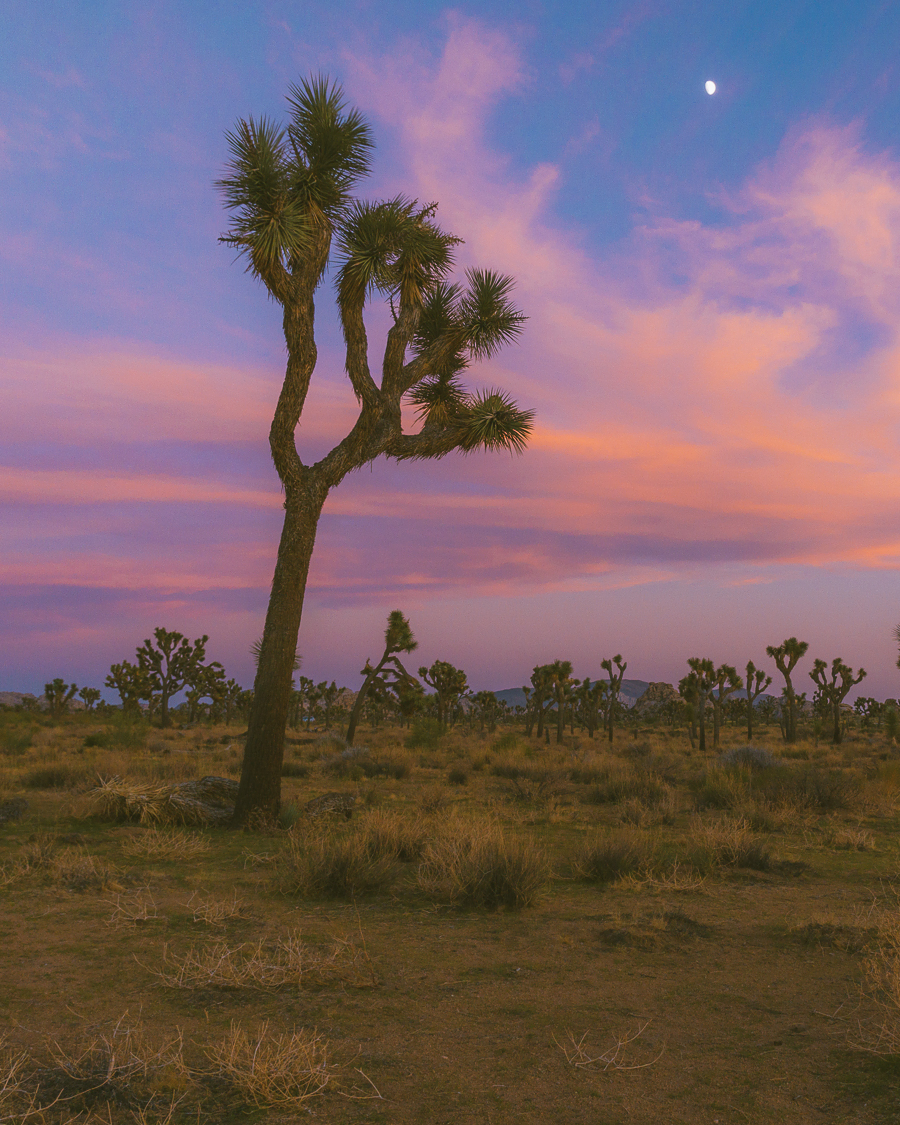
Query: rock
x=657, y=695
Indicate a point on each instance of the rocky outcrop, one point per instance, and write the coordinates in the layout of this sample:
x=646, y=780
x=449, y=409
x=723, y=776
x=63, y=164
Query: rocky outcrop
x=657, y=695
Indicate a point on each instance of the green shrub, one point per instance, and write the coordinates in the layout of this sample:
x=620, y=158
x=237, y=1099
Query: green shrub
x=506, y=742
x=425, y=734
x=97, y=740
x=722, y=789
x=15, y=742
x=458, y=776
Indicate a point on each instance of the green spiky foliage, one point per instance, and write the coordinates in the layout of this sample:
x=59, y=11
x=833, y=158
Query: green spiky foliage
x=289, y=190
x=834, y=690
x=89, y=696
x=388, y=673
x=132, y=682
x=756, y=683
x=562, y=688
x=786, y=656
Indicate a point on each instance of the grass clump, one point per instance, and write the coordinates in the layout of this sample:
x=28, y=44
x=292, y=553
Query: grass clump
x=605, y=857
x=823, y=790
x=55, y=777
x=477, y=864
x=282, y=1070
x=389, y=835
x=714, y=844
x=333, y=866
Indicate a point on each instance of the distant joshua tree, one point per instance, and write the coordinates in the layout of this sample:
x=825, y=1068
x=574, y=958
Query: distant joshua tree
x=757, y=682
x=171, y=663
x=726, y=681
x=398, y=637
x=786, y=655
x=835, y=690
x=695, y=687
x=612, y=691
x=58, y=694
x=449, y=684
x=89, y=697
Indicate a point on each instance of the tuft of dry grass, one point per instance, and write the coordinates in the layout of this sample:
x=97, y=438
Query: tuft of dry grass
x=604, y=857
x=130, y=909
x=881, y=984
x=267, y=966
x=393, y=836
x=725, y=842
x=163, y=843
x=333, y=866
x=477, y=864
x=270, y=1069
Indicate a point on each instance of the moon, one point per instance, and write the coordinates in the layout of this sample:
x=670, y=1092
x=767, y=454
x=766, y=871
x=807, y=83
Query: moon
x=710, y=87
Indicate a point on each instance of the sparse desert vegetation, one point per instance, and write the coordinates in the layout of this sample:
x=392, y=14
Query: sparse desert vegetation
x=579, y=930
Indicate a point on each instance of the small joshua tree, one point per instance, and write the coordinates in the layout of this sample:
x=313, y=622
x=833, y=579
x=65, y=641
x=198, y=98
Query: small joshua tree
x=171, y=664
x=726, y=681
x=786, y=655
x=695, y=687
x=562, y=688
x=449, y=685
x=835, y=690
x=133, y=685
x=58, y=694
x=89, y=696
x=612, y=691
x=757, y=682
x=398, y=637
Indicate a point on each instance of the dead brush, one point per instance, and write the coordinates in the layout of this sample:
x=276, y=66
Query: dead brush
x=166, y=843
x=288, y=962
x=19, y=1101
x=477, y=864
x=617, y=1057
x=215, y=912
x=880, y=1034
x=850, y=840
x=725, y=842
x=131, y=909
x=119, y=1065
x=270, y=1069
x=117, y=800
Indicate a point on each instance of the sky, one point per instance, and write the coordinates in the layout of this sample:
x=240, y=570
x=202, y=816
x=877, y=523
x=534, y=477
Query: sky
x=712, y=286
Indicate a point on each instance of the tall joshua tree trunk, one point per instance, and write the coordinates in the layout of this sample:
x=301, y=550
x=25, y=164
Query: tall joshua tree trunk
x=264, y=752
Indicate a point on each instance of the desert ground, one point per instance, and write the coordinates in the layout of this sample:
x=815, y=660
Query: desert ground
x=504, y=930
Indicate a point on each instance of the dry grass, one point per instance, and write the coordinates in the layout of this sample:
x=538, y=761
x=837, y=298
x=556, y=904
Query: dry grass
x=393, y=836
x=622, y=1055
x=331, y=865
x=477, y=864
x=284, y=1070
x=606, y=856
x=881, y=985
x=215, y=912
x=131, y=909
x=725, y=842
x=70, y=867
x=166, y=843
x=287, y=962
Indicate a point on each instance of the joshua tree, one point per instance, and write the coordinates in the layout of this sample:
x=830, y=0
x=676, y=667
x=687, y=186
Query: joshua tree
x=786, y=656
x=398, y=637
x=612, y=692
x=171, y=664
x=328, y=695
x=695, y=687
x=449, y=685
x=591, y=702
x=58, y=695
x=561, y=688
x=132, y=683
x=835, y=690
x=487, y=709
x=290, y=192
x=725, y=682
x=89, y=696
x=207, y=681
x=538, y=698
x=757, y=682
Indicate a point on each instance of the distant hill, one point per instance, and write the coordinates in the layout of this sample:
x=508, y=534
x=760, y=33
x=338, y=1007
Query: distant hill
x=630, y=692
